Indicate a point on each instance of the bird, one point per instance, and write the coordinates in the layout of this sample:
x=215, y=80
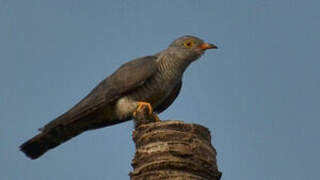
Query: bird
x=153, y=81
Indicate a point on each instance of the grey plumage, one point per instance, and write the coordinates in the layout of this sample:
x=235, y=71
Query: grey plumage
x=154, y=79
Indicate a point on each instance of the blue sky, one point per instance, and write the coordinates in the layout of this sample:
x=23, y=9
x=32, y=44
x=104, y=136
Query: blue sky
x=258, y=93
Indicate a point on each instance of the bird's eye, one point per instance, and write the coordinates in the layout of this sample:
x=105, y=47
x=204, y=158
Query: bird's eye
x=188, y=43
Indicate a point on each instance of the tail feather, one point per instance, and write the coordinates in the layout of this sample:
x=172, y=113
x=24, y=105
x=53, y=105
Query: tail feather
x=38, y=145
x=48, y=139
x=60, y=130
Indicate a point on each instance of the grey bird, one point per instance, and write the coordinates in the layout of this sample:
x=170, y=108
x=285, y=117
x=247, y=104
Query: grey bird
x=154, y=81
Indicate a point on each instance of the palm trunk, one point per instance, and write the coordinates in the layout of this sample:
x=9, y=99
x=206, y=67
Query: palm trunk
x=172, y=150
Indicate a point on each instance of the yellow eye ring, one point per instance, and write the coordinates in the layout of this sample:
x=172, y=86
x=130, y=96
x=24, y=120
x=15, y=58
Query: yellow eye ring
x=188, y=43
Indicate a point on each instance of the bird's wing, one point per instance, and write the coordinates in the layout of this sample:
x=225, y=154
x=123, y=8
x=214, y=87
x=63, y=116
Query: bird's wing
x=127, y=78
x=83, y=116
x=169, y=100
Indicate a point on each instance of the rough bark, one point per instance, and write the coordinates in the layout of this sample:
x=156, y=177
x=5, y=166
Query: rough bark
x=172, y=150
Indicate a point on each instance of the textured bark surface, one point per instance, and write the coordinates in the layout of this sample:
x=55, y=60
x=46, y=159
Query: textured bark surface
x=172, y=150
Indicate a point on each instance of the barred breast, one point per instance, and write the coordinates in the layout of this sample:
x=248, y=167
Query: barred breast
x=154, y=90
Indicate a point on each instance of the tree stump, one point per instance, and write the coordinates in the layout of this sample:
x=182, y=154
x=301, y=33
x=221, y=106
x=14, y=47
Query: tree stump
x=172, y=150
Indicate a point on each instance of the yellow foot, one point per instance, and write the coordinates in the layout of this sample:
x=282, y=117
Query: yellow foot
x=141, y=106
x=156, y=118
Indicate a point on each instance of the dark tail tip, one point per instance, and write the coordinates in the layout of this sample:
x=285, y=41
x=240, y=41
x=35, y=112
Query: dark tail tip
x=32, y=149
x=37, y=146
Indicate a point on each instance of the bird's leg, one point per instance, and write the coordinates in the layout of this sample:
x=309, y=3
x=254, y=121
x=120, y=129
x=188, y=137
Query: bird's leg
x=141, y=106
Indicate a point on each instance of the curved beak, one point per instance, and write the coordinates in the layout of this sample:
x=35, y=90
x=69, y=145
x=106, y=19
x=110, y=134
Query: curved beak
x=206, y=46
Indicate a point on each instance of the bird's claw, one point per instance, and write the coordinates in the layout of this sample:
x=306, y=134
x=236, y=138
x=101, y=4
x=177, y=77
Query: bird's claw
x=140, y=108
x=156, y=118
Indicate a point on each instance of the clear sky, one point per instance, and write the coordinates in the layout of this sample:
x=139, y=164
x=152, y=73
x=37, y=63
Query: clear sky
x=258, y=93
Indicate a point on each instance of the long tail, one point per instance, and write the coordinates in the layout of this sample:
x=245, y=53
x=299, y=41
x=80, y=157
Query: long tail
x=60, y=130
x=48, y=139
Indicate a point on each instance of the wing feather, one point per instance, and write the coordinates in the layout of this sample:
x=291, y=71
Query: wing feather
x=127, y=78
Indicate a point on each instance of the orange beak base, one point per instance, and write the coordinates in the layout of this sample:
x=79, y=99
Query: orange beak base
x=206, y=46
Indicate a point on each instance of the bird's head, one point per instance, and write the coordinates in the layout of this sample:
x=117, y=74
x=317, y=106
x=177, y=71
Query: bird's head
x=189, y=47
